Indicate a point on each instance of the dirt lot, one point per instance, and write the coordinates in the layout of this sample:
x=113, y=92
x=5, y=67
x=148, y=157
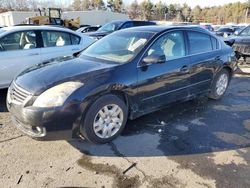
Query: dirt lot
x=194, y=144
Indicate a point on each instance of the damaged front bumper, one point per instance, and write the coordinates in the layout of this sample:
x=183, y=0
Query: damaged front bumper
x=46, y=123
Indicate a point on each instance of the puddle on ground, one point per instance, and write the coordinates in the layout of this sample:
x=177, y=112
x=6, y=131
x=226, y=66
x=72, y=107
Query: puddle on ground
x=232, y=138
x=198, y=121
x=120, y=180
x=233, y=108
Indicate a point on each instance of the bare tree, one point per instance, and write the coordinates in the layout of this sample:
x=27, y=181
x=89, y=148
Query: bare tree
x=77, y=5
x=134, y=10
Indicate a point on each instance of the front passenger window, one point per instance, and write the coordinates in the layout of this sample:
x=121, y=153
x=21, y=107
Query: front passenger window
x=18, y=41
x=171, y=45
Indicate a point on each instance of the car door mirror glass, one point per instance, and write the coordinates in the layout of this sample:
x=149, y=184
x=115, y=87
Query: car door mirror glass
x=154, y=59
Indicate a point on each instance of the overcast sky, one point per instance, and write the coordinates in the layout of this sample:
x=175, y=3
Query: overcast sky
x=193, y=3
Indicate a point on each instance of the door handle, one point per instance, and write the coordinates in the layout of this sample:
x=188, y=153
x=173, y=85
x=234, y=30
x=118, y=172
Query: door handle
x=33, y=54
x=185, y=69
x=75, y=49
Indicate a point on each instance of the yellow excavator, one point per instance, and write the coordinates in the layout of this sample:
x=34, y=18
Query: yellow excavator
x=52, y=16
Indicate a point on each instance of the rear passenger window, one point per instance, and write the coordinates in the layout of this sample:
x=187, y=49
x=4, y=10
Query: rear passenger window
x=75, y=39
x=55, y=38
x=199, y=42
x=215, y=43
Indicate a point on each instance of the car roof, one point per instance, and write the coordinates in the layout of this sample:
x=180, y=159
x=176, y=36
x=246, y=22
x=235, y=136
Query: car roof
x=38, y=27
x=124, y=21
x=157, y=29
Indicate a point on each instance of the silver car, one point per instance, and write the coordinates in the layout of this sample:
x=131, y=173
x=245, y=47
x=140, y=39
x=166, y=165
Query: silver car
x=24, y=46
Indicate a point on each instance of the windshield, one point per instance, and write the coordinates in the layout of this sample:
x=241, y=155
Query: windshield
x=110, y=27
x=245, y=32
x=119, y=47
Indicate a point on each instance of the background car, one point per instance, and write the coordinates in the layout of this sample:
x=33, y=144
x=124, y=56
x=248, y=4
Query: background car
x=207, y=26
x=123, y=76
x=24, y=46
x=117, y=25
x=88, y=29
x=241, y=44
x=225, y=31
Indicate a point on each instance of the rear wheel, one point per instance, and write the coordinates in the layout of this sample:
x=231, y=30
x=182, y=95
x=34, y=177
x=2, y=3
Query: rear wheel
x=105, y=119
x=220, y=84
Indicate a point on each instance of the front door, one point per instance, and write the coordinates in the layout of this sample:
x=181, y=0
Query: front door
x=18, y=51
x=160, y=84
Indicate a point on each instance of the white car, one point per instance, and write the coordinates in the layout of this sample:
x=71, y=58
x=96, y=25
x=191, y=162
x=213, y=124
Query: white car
x=24, y=46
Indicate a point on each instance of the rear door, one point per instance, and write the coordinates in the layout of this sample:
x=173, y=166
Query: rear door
x=18, y=51
x=57, y=44
x=204, y=56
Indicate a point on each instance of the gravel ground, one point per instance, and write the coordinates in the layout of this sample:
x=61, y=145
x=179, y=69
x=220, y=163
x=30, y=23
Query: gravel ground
x=200, y=143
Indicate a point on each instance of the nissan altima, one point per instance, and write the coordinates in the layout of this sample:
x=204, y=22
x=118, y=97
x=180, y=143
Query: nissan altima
x=125, y=75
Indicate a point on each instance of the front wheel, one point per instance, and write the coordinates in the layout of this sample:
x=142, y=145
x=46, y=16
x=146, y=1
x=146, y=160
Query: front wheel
x=220, y=85
x=105, y=119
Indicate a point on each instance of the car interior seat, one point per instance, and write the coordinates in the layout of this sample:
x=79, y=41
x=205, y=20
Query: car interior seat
x=30, y=41
x=60, y=41
x=178, y=50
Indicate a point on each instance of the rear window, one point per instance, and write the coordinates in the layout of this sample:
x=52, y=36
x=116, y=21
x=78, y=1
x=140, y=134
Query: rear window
x=144, y=23
x=226, y=30
x=75, y=40
x=199, y=42
x=128, y=25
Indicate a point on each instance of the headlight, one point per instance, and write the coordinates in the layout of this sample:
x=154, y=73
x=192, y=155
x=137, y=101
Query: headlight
x=57, y=95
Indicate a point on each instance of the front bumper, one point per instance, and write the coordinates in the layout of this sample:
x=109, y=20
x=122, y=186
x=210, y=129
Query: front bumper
x=46, y=123
x=242, y=49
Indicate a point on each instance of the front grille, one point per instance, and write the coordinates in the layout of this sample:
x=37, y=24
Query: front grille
x=17, y=95
x=244, y=49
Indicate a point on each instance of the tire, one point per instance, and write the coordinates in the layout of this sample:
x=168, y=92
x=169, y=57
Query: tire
x=104, y=119
x=219, y=85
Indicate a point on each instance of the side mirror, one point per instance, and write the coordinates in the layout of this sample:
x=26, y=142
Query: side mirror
x=154, y=59
x=230, y=42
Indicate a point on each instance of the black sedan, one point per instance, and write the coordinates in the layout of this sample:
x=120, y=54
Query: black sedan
x=117, y=25
x=124, y=75
x=225, y=31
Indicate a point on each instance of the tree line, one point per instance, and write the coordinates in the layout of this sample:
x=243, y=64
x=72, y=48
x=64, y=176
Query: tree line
x=146, y=10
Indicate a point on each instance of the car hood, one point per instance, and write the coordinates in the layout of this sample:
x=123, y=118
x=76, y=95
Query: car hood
x=45, y=75
x=242, y=39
